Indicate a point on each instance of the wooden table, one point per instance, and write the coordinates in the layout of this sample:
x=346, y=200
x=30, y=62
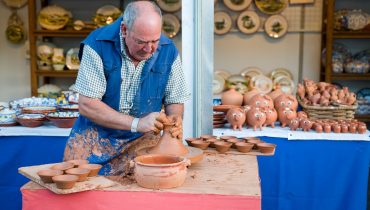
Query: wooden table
x=217, y=182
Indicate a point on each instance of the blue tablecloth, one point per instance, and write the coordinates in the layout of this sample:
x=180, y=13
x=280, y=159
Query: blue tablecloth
x=315, y=175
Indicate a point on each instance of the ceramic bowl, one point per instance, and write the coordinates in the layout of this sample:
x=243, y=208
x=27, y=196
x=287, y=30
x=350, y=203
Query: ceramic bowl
x=200, y=144
x=206, y=136
x=47, y=175
x=225, y=138
x=31, y=120
x=63, y=119
x=222, y=146
x=78, y=162
x=212, y=142
x=94, y=168
x=244, y=147
x=233, y=142
x=82, y=173
x=7, y=117
x=65, y=181
x=266, y=147
x=38, y=110
x=62, y=166
x=189, y=140
x=68, y=107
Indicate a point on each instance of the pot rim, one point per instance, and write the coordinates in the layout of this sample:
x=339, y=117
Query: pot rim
x=182, y=160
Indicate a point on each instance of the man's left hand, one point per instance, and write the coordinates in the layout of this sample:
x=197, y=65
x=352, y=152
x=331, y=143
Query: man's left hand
x=176, y=131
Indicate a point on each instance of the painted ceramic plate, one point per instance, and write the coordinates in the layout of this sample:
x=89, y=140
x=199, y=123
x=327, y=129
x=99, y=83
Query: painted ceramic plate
x=237, y=5
x=218, y=84
x=72, y=60
x=170, y=25
x=248, y=22
x=280, y=72
x=286, y=84
x=16, y=4
x=276, y=26
x=106, y=14
x=223, y=73
x=53, y=17
x=250, y=72
x=238, y=82
x=169, y=5
x=271, y=7
x=223, y=23
x=262, y=83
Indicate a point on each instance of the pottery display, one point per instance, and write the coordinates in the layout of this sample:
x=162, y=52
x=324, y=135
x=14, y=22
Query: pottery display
x=94, y=168
x=31, y=120
x=271, y=117
x=158, y=171
x=200, y=144
x=63, y=119
x=286, y=100
x=244, y=147
x=236, y=117
x=47, y=175
x=232, y=97
x=286, y=115
x=222, y=146
x=256, y=118
x=65, y=181
x=7, y=117
x=82, y=173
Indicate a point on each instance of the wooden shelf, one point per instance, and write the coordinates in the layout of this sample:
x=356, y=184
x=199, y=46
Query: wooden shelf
x=52, y=73
x=62, y=33
x=350, y=76
x=351, y=34
x=365, y=118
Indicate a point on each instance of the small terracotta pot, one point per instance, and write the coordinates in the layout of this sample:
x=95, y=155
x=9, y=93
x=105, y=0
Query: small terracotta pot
x=222, y=146
x=200, y=144
x=62, y=166
x=233, y=142
x=266, y=147
x=76, y=163
x=189, y=140
x=47, y=175
x=212, y=142
x=82, y=173
x=244, y=147
x=255, y=142
x=94, y=168
x=65, y=181
x=206, y=136
x=225, y=138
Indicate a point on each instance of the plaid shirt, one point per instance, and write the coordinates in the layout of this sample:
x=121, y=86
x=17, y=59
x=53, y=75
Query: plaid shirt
x=91, y=81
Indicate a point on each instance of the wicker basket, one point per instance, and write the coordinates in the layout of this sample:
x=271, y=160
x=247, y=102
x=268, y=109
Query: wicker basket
x=340, y=112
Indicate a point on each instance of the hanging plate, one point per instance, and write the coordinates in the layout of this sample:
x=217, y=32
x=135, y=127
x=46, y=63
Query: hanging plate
x=276, y=26
x=271, y=7
x=248, y=22
x=223, y=23
x=170, y=25
x=106, y=14
x=16, y=4
x=262, y=83
x=286, y=84
x=53, y=17
x=223, y=73
x=218, y=84
x=237, y=5
x=72, y=60
x=169, y=5
x=280, y=72
x=251, y=72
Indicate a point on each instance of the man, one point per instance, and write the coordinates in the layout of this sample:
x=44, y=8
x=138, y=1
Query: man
x=128, y=70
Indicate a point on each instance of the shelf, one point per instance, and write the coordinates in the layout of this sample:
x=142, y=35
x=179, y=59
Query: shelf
x=365, y=118
x=349, y=76
x=62, y=33
x=351, y=34
x=52, y=73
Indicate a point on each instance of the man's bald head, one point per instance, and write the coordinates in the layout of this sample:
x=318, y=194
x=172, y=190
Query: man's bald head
x=140, y=10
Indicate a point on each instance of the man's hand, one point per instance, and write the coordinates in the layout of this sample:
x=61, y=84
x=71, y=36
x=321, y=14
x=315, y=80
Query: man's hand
x=149, y=123
x=176, y=131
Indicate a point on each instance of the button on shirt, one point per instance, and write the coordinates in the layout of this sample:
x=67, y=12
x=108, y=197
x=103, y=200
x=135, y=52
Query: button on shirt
x=91, y=81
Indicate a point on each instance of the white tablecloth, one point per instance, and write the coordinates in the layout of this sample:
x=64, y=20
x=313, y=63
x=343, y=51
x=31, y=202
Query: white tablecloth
x=45, y=130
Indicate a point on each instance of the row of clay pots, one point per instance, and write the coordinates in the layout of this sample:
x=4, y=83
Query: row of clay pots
x=327, y=126
x=224, y=143
x=66, y=174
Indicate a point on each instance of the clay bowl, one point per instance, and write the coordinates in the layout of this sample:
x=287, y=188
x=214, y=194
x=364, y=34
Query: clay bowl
x=266, y=147
x=157, y=171
x=38, y=110
x=233, y=142
x=244, y=147
x=212, y=142
x=62, y=166
x=225, y=138
x=82, y=173
x=47, y=175
x=200, y=144
x=76, y=163
x=65, y=181
x=31, y=120
x=189, y=140
x=206, y=136
x=94, y=168
x=255, y=142
x=63, y=119
x=222, y=146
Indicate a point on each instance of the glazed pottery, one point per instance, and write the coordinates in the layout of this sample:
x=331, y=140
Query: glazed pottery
x=236, y=117
x=82, y=173
x=31, y=120
x=158, y=171
x=200, y=144
x=46, y=175
x=266, y=147
x=232, y=97
x=244, y=147
x=76, y=163
x=94, y=168
x=62, y=166
x=256, y=118
x=65, y=181
x=222, y=146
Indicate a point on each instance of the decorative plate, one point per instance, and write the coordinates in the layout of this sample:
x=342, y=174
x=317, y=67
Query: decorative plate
x=286, y=84
x=364, y=93
x=170, y=25
x=250, y=72
x=280, y=72
x=106, y=15
x=262, y=83
x=276, y=26
x=218, y=84
x=64, y=114
x=53, y=17
x=72, y=60
x=271, y=7
x=169, y=5
x=248, y=22
x=223, y=73
x=238, y=82
x=223, y=23
x=237, y=5
x=16, y=4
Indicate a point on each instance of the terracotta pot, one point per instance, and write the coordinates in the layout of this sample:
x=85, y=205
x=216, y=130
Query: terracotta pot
x=225, y=138
x=158, y=171
x=362, y=129
x=82, y=173
x=200, y=144
x=62, y=166
x=327, y=128
x=344, y=128
x=207, y=136
x=233, y=142
x=222, y=146
x=189, y=140
x=266, y=147
x=76, y=163
x=94, y=168
x=63, y=122
x=244, y=147
x=318, y=128
x=232, y=97
x=47, y=175
x=65, y=181
x=212, y=142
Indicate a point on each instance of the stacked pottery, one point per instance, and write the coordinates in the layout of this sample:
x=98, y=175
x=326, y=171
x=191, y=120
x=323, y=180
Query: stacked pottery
x=219, y=119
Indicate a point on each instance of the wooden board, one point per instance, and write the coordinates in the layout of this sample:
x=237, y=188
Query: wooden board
x=233, y=151
x=91, y=183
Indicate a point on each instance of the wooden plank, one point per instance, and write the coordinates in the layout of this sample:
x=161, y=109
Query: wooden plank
x=91, y=183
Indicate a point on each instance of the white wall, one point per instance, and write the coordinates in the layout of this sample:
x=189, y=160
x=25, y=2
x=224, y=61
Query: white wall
x=15, y=79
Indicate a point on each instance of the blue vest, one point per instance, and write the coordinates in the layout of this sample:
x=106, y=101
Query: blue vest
x=150, y=94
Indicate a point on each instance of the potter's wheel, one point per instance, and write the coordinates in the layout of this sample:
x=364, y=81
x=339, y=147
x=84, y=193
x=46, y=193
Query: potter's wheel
x=194, y=154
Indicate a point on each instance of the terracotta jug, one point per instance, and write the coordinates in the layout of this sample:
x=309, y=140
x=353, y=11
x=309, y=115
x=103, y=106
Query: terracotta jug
x=232, y=97
x=169, y=145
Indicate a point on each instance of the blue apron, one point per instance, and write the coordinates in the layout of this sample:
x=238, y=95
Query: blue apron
x=102, y=145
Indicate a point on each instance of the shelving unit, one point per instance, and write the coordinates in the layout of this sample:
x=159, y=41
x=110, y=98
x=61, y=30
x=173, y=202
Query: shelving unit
x=329, y=36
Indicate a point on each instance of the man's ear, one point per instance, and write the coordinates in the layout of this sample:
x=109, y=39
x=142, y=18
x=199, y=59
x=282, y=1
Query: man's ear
x=124, y=30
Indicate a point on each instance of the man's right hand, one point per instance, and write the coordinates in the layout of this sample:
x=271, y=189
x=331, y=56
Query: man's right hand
x=151, y=122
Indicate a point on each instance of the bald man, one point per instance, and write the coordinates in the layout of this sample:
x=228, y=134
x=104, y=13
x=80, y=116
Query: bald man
x=128, y=71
